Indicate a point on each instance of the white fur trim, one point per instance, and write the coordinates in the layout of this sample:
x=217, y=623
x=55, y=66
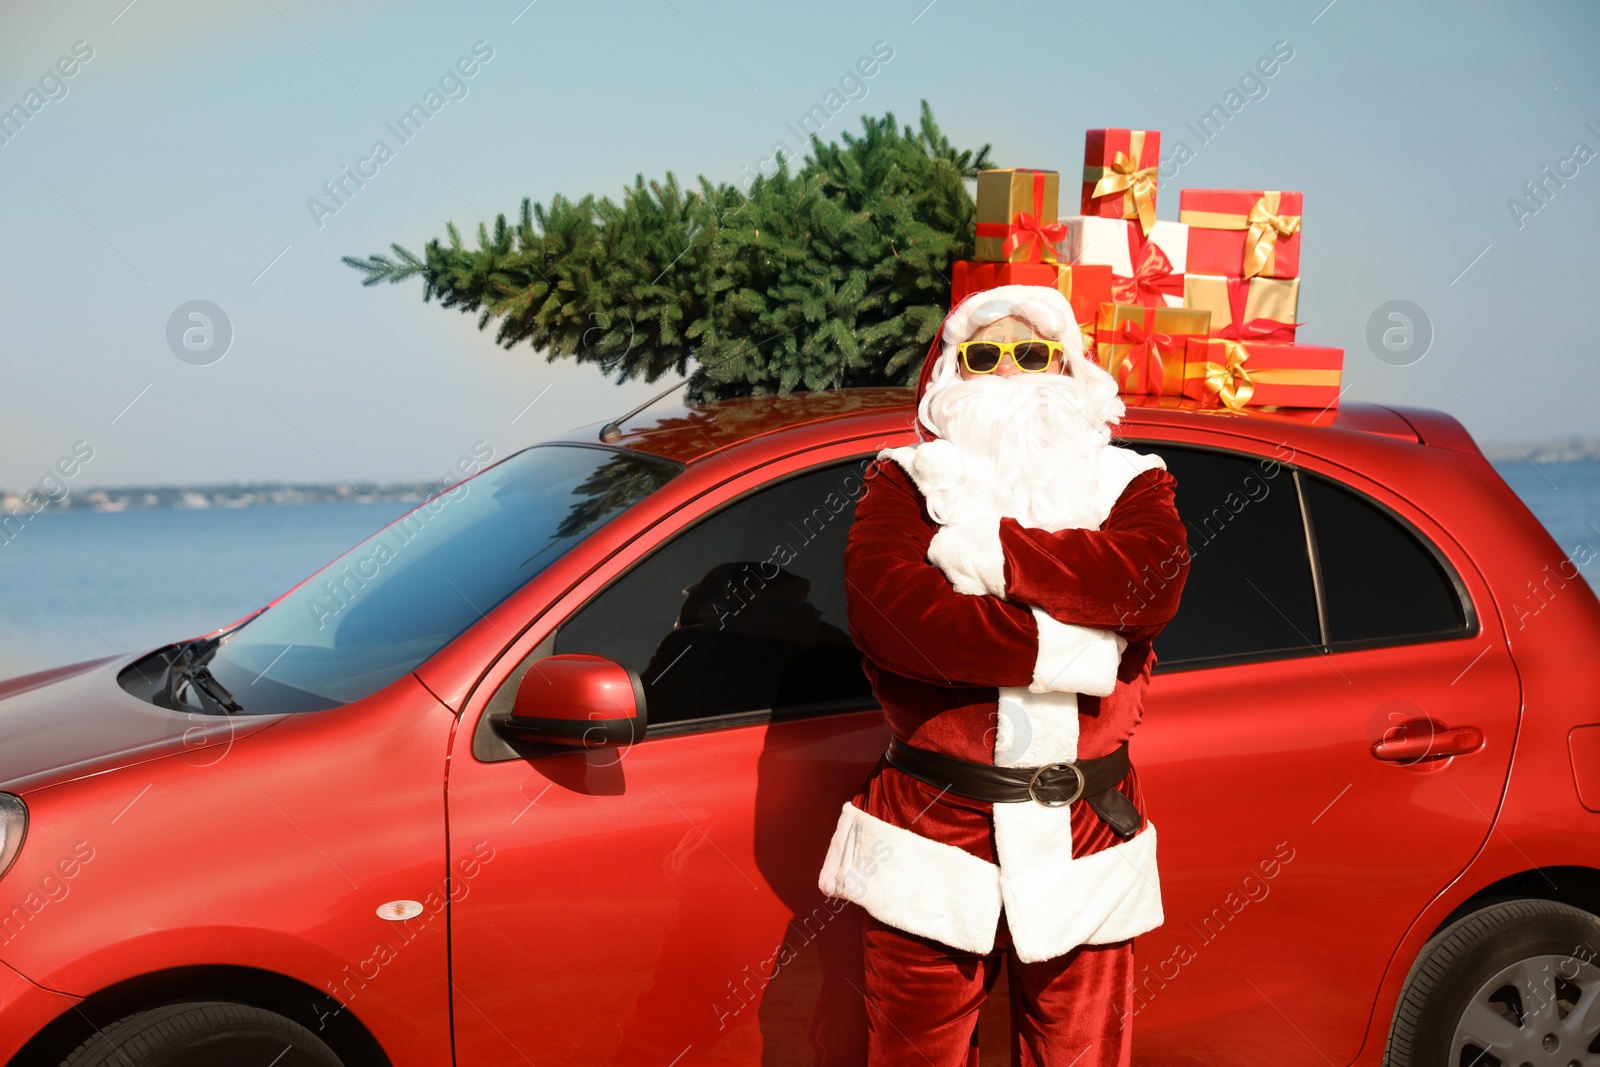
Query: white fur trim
x=1076, y=659
x=1054, y=903
x=1033, y=729
x=1043, y=307
x=970, y=555
x=934, y=467
x=1118, y=467
x=913, y=883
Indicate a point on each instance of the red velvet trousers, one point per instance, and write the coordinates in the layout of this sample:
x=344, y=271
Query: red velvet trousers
x=923, y=999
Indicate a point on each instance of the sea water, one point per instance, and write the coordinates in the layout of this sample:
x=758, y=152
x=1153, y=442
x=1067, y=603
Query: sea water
x=78, y=585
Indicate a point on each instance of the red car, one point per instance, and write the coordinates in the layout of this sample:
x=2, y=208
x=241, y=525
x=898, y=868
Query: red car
x=544, y=772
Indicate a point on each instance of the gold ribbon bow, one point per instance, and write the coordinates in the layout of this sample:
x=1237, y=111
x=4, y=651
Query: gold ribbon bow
x=1136, y=183
x=1228, y=379
x=1265, y=227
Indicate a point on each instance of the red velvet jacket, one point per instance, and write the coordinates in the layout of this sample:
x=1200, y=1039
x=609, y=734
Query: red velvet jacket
x=954, y=672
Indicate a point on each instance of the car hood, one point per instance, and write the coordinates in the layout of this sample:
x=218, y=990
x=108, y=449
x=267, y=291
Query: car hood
x=73, y=721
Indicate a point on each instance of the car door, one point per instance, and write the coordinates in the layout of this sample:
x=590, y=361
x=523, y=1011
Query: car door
x=1325, y=623
x=658, y=904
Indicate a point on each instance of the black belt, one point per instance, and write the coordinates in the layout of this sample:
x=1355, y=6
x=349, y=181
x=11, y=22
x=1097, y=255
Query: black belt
x=1052, y=785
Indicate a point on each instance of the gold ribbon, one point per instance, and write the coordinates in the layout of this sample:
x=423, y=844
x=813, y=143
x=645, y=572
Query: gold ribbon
x=1087, y=329
x=1263, y=225
x=1294, y=376
x=1125, y=176
x=1266, y=225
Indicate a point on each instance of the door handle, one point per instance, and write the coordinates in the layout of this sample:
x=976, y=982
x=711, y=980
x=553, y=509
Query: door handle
x=1425, y=741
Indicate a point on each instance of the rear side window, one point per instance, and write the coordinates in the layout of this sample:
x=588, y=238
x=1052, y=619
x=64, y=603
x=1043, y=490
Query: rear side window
x=1379, y=581
x=1249, y=590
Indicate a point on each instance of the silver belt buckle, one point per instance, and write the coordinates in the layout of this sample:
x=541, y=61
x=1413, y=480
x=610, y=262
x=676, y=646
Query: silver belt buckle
x=1076, y=793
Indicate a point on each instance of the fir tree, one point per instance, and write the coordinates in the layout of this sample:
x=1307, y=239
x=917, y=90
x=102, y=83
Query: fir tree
x=835, y=274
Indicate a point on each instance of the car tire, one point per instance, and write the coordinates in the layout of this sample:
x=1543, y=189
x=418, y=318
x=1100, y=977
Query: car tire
x=203, y=1034
x=1516, y=982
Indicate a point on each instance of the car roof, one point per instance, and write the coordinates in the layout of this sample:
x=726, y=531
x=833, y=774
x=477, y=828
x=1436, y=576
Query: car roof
x=691, y=431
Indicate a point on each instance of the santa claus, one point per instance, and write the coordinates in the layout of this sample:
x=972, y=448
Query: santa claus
x=1003, y=583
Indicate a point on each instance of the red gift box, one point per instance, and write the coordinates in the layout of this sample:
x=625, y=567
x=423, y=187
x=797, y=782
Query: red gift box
x=1085, y=286
x=1235, y=374
x=1242, y=233
x=1119, y=174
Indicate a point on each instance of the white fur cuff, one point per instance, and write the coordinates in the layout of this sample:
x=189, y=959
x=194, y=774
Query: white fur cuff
x=970, y=555
x=1075, y=659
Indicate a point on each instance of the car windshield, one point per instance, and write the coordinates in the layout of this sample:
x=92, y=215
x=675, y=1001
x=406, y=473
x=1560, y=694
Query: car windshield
x=382, y=608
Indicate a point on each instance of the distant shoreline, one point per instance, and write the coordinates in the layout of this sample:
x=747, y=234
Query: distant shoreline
x=282, y=494
x=1563, y=450
x=206, y=497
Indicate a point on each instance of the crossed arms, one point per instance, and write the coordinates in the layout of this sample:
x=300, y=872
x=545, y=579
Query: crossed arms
x=904, y=614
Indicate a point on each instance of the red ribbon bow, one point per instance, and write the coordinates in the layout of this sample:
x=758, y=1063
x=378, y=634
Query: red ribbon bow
x=1026, y=229
x=1143, y=342
x=1152, y=277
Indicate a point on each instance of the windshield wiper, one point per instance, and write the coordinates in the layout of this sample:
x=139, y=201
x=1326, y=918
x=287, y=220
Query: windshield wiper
x=189, y=667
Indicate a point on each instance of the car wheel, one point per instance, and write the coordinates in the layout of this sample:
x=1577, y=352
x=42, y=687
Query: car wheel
x=1514, y=984
x=203, y=1034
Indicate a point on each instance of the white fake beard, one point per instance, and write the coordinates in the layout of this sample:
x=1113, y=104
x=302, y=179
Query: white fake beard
x=1029, y=444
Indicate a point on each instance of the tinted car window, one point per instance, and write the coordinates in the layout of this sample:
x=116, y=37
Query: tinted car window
x=742, y=612
x=1249, y=589
x=1379, y=581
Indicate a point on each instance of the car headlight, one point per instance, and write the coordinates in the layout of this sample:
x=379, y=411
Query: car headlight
x=13, y=828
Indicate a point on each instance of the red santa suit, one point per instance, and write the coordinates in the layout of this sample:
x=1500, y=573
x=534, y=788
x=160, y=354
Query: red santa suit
x=1015, y=644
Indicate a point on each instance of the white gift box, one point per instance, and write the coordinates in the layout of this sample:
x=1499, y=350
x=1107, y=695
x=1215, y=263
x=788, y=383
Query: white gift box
x=1095, y=240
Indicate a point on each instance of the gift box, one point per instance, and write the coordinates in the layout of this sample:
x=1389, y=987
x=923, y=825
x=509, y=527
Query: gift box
x=1239, y=374
x=1119, y=175
x=1146, y=269
x=1086, y=286
x=1242, y=233
x=1086, y=332
x=1246, y=309
x=1017, y=212
x=1145, y=348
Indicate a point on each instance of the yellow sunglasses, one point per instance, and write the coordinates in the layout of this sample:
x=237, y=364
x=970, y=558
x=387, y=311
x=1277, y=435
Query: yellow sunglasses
x=1031, y=355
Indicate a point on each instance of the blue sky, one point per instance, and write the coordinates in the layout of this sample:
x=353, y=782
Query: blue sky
x=177, y=162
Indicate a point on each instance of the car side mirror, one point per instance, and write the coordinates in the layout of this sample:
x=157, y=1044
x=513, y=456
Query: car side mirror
x=577, y=700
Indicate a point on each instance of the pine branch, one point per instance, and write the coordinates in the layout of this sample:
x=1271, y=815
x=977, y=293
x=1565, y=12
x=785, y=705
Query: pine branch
x=831, y=275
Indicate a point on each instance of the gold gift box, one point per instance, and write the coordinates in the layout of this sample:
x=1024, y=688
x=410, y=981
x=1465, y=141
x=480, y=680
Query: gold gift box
x=1005, y=197
x=1266, y=300
x=1162, y=375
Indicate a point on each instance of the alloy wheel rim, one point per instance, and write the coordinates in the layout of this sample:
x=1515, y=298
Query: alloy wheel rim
x=1538, y=1011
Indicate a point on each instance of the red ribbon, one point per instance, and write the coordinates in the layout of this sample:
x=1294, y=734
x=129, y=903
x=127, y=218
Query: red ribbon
x=1256, y=329
x=1026, y=230
x=1146, y=343
x=1152, y=277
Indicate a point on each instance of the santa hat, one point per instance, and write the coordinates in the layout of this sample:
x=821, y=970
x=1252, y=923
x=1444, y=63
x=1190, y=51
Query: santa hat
x=1041, y=305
